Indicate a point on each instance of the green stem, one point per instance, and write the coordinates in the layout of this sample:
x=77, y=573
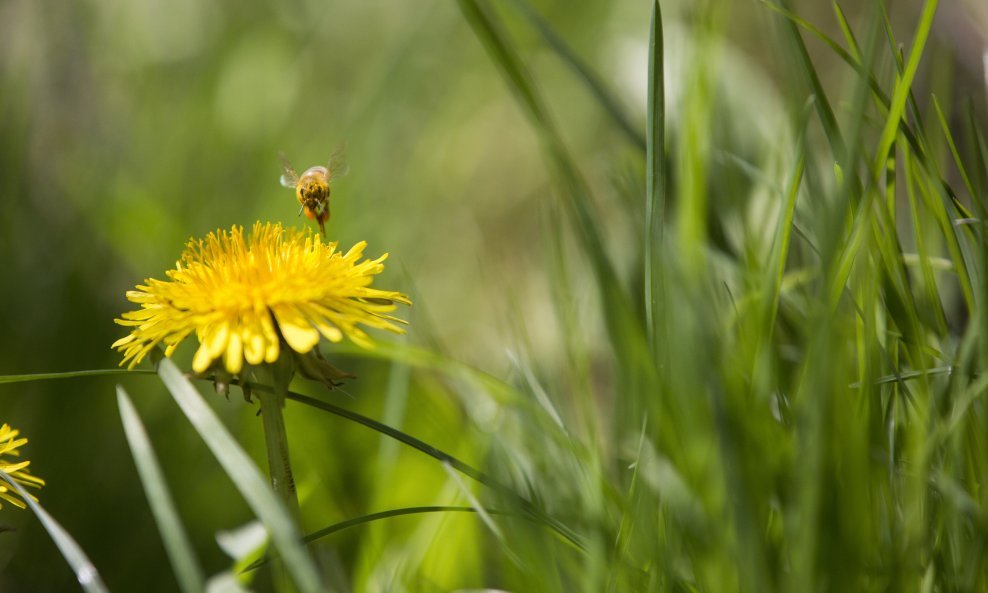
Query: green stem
x=276, y=444
x=279, y=461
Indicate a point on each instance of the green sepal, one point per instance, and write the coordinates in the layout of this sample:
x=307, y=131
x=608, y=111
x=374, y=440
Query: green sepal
x=313, y=365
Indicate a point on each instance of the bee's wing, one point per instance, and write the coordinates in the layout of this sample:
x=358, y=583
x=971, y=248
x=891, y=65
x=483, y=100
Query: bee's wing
x=337, y=166
x=288, y=175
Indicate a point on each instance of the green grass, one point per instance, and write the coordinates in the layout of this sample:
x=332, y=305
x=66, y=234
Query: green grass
x=766, y=356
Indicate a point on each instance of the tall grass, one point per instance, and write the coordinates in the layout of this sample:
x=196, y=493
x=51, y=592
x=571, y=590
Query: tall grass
x=780, y=389
x=810, y=416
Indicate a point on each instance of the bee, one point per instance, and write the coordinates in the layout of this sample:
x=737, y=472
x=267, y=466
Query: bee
x=312, y=187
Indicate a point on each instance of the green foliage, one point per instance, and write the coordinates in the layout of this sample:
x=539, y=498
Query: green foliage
x=758, y=365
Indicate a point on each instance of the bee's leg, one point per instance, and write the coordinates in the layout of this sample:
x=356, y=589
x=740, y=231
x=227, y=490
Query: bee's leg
x=323, y=218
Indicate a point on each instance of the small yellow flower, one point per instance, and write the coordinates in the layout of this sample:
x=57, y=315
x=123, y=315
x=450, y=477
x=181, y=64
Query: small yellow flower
x=245, y=298
x=9, y=443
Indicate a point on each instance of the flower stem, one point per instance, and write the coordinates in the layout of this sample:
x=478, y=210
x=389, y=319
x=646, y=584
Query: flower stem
x=276, y=444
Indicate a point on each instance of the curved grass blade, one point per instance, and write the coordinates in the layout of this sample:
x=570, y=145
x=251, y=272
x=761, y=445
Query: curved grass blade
x=396, y=434
x=71, y=375
x=426, y=359
x=484, y=516
x=849, y=37
x=412, y=356
x=335, y=527
x=593, y=82
x=923, y=259
x=83, y=568
x=806, y=67
x=245, y=475
x=460, y=466
x=907, y=375
x=958, y=240
x=853, y=60
x=378, y=516
x=901, y=93
x=625, y=332
x=187, y=570
x=958, y=162
x=783, y=237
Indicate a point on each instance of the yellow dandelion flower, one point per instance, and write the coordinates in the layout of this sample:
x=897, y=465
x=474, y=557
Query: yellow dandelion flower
x=246, y=298
x=9, y=443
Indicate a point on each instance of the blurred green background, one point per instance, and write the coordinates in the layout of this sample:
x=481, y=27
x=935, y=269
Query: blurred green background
x=127, y=127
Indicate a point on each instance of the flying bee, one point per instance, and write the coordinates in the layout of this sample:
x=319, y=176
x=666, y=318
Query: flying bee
x=312, y=187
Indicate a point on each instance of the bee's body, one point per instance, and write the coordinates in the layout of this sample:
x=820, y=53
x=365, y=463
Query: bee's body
x=312, y=187
x=312, y=191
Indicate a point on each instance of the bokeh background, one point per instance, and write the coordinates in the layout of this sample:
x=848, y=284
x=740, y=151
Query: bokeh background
x=127, y=127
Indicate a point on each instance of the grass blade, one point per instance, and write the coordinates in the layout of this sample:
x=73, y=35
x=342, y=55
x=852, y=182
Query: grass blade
x=187, y=570
x=783, y=238
x=949, y=137
x=625, y=333
x=371, y=517
x=437, y=454
x=380, y=515
x=655, y=176
x=806, y=67
x=245, y=475
x=593, y=82
x=84, y=570
x=902, y=88
x=849, y=37
x=852, y=59
x=71, y=375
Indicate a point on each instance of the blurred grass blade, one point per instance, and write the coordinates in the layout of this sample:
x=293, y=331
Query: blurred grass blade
x=245, y=475
x=421, y=358
x=488, y=31
x=783, y=237
x=924, y=260
x=180, y=551
x=852, y=59
x=806, y=68
x=626, y=334
x=902, y=88
x=980, y=168
x=71, y=375
x=378, y=516
x=848, y=33
x=439, y=455
x=84, y=570
x=225, y=582
x=371, y=517
x=484, y=516
x=394, y=433
x=593, y=82
x=949, y=137
x=946, y=208
x=655, y=176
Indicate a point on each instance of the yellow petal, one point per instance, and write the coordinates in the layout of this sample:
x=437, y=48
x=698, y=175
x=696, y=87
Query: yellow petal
x=271, y=345
x=216, y=338
x=234, y=359
x=296, y=329
x=253, y=339
x=202, y=360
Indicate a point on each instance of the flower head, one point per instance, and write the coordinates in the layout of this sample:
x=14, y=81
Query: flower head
x=246, y=298
x=9, y=443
